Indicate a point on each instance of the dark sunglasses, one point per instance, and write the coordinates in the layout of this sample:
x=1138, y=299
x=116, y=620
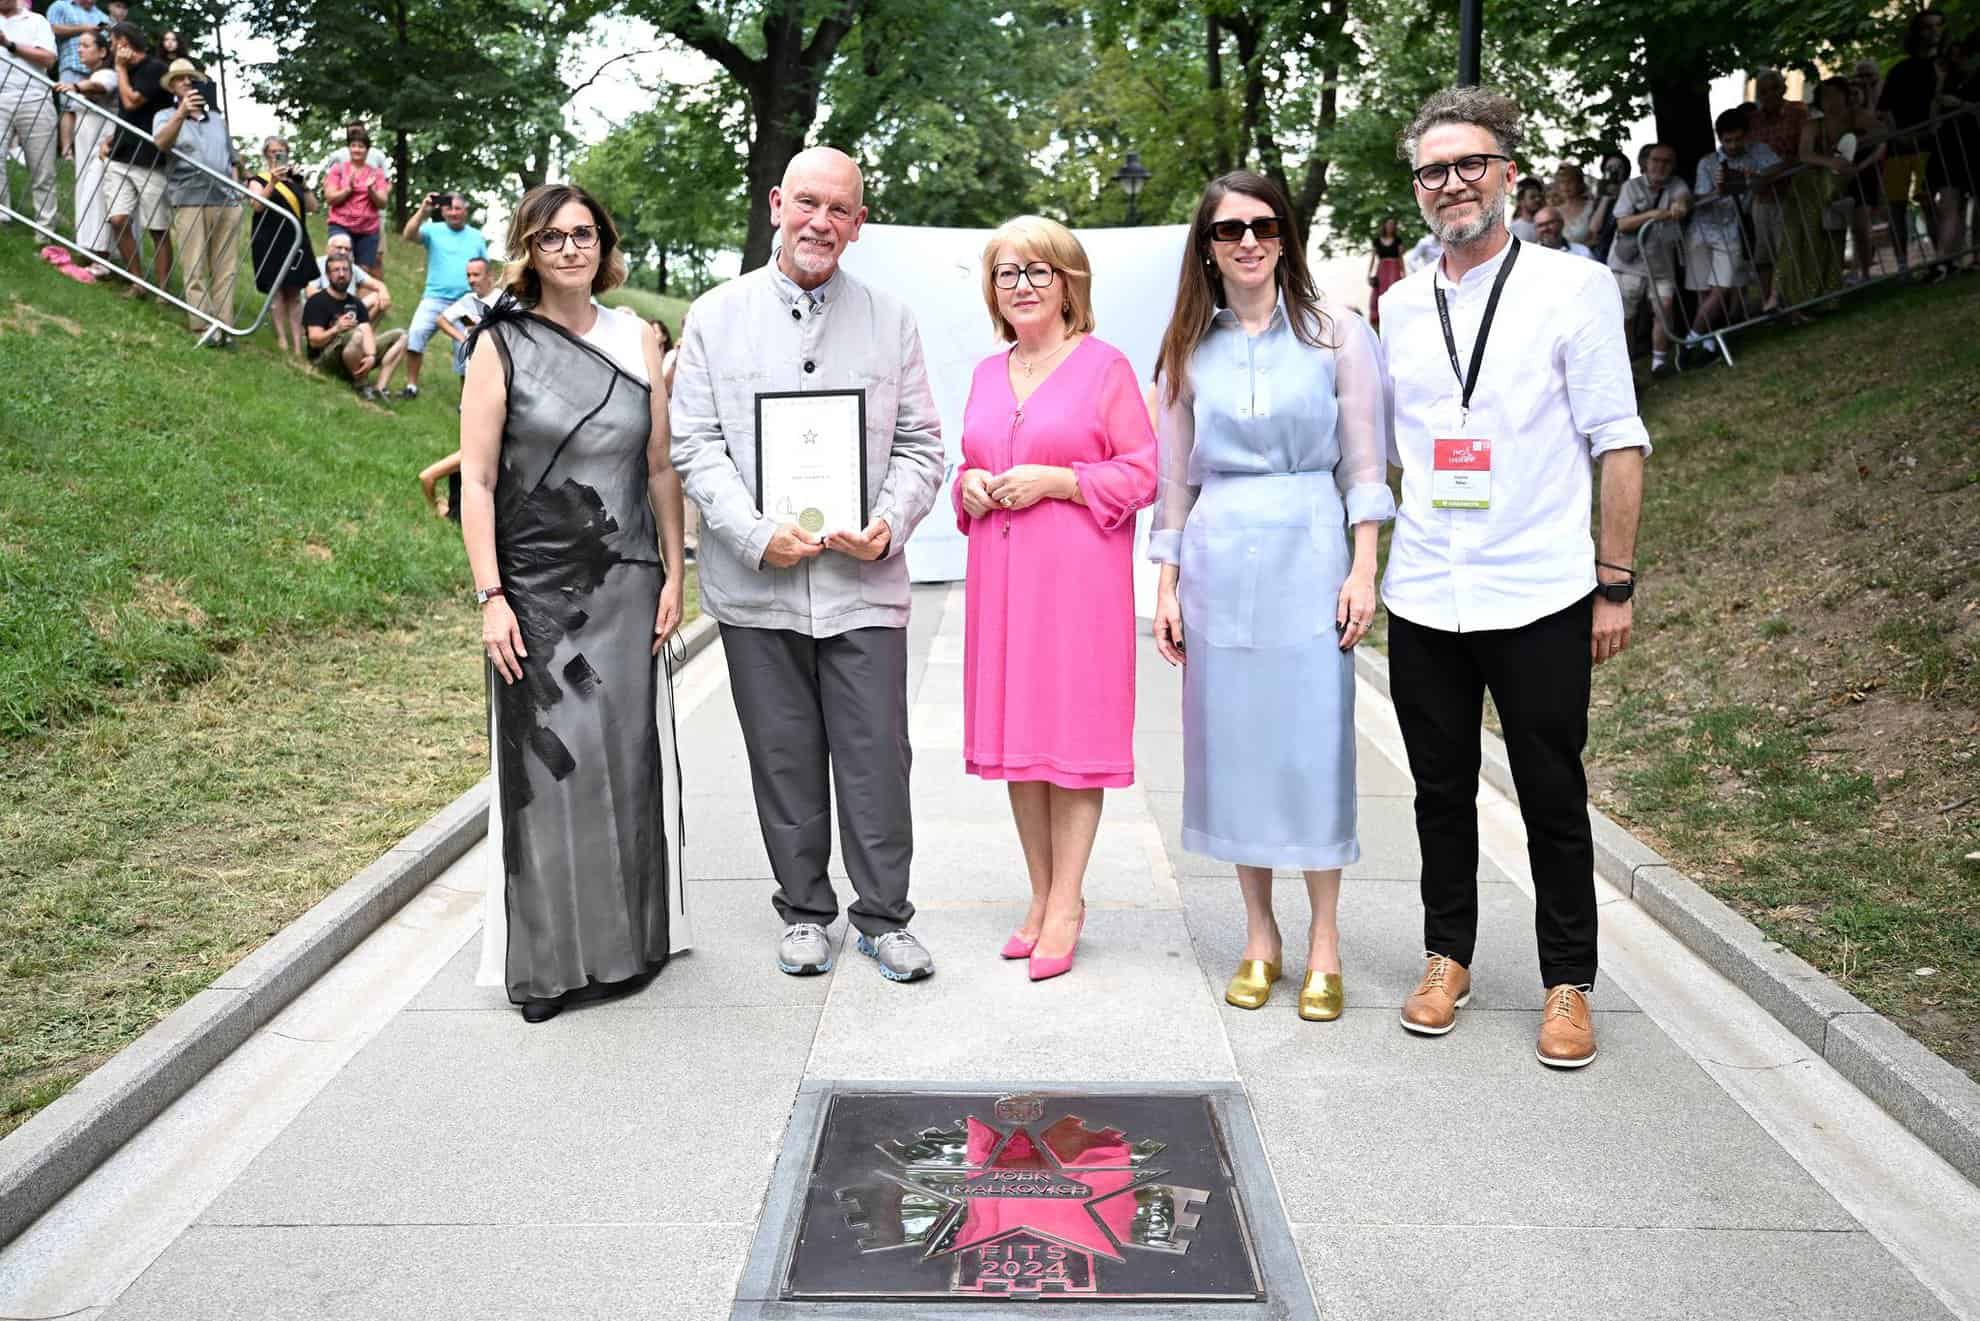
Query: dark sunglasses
x=1263, y=228
x=1469, y=169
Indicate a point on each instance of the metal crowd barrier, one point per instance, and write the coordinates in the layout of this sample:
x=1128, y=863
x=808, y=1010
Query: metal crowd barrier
x=1814, y=236
x=30, y=109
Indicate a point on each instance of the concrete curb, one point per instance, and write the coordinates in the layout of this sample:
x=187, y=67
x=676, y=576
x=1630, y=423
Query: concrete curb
x=1937, y=1102
x=54, y=1151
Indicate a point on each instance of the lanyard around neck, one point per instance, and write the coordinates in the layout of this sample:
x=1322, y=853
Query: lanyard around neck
x=1469, y=382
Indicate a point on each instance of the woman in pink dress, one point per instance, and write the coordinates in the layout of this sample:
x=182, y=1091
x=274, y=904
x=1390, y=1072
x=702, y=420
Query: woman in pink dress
x=1058, y=454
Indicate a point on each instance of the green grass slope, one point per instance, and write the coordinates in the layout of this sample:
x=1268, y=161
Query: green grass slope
x=161, y=504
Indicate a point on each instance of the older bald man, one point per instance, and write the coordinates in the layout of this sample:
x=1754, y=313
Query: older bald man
x=814, y=622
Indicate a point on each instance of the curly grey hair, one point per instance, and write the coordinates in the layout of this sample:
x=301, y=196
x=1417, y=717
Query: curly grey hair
x=1485, y=107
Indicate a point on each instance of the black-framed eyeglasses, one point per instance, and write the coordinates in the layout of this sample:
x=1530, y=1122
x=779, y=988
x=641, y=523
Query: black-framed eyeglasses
x=552, y=240
x=1038, y=275
x=1263, y=228
x=1469, y=169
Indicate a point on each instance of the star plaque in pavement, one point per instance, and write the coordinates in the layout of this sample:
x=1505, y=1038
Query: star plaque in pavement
x=993, y=1199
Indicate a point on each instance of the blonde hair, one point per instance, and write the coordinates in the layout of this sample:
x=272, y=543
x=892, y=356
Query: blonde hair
x=538, y=208
x=1037, y=239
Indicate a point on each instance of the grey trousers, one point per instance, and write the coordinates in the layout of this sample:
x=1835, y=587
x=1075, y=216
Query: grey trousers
x=809, y=705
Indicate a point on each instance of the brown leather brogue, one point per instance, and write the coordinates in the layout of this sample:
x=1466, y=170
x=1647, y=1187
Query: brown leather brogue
x=1431, y=1009
x=1567, y=1028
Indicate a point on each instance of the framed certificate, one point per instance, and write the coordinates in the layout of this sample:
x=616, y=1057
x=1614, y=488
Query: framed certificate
x=811, y=459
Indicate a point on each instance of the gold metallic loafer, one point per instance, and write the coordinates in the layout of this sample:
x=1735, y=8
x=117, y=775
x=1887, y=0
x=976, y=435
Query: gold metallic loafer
x=1251, y=984
x=1321, y=997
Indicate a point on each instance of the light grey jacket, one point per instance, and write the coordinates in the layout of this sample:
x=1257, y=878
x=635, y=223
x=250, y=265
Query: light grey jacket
x=759, y=333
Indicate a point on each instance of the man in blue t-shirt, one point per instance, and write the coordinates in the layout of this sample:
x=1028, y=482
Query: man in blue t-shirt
x=449, y=245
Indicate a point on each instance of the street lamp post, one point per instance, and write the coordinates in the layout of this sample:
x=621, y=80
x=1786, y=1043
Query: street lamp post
x=1131, y=176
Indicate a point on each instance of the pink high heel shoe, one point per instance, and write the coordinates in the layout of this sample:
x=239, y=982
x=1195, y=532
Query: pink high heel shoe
x=1043, y=968
x=1017, y=947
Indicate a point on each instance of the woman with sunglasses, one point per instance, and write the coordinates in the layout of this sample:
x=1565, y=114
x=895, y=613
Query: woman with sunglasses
x=1058, y=455
x=572, y=517
x=1274, y=439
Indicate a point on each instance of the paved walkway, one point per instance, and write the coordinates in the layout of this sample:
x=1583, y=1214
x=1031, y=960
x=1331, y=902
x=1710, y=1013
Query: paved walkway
x=400, y=1144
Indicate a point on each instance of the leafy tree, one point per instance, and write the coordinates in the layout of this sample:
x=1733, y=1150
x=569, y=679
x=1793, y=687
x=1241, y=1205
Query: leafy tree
x=672, y=177
x=1417, y=41
x=1200, y=89
x=776, y=54
x=951, y=141
x=1631, y=55
x=466, y=94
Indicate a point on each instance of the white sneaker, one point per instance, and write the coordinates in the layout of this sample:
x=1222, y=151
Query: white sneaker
x=804, y=951
x=900, y=956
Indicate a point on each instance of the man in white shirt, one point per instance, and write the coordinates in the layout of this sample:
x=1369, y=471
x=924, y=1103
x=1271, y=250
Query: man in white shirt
x=27, y=112
x=1511, y=378
x=467, y=311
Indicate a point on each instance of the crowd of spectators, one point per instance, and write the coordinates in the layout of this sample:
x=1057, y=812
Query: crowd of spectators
x=1802, y=197
x=161, y=195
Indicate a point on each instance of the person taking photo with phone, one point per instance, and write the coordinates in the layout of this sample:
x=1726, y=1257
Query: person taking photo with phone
x=280, y=263
x=450, y=244
x=206, y=218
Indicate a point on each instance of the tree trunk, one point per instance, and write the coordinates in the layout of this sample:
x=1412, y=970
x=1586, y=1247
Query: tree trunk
x=778, y=138
x=401, y=177
x=660, y=269
x=782, y=86
x=1213, y=62
x=1681, y=103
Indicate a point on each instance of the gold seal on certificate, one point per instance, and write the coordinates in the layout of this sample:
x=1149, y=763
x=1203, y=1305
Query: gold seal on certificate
x=811, y=459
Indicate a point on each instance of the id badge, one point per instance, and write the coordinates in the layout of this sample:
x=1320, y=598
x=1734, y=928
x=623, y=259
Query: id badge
x=1461, y=473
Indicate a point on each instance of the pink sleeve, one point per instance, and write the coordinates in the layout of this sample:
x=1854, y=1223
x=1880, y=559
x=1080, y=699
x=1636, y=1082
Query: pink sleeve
x=1124, y=481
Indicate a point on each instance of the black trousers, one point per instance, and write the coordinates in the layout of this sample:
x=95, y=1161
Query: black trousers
x=1538, y=675
x=818, y=713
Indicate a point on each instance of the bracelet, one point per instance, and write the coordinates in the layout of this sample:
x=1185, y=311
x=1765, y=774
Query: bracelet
x=1619, y=568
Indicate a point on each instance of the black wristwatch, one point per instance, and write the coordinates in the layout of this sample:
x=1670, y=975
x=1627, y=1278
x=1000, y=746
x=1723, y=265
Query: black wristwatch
x=1616, y=593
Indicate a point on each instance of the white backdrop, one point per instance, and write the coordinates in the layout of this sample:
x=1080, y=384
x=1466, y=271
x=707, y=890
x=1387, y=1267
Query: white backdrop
x=936, y=272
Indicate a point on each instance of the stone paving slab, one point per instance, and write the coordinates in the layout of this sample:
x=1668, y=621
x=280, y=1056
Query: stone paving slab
x=1382, y=943
x=1134, y=1007
x=609, y=1117
x=1468, y=1129
x=1647, y=1273
x=520, y=1272
x=732, y=964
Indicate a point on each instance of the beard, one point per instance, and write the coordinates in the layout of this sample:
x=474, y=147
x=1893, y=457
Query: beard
x=1491, y=213
x=811, y=260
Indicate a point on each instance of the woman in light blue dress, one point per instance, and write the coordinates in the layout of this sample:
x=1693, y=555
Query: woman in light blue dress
x=1274, y=437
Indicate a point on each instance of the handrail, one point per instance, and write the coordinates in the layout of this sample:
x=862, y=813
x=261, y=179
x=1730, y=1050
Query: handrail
x=14, y=78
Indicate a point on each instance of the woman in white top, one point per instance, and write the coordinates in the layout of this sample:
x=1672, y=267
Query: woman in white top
x=1582, y=213
x=93, y=127
x=572, y=517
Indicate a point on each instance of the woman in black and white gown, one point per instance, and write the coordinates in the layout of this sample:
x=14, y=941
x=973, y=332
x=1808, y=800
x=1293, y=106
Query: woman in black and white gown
x=570, y=507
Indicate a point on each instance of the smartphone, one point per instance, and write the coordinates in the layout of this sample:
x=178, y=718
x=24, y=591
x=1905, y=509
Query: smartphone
x=279, y=157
